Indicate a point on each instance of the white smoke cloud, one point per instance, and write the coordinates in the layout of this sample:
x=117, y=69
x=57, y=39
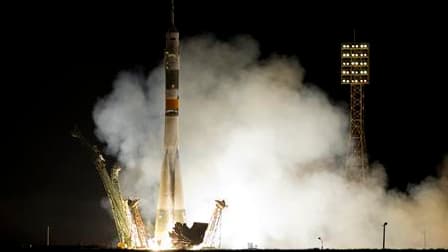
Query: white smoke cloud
x=254, y=134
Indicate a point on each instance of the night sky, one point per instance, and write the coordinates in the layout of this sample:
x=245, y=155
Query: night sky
x=61, y=58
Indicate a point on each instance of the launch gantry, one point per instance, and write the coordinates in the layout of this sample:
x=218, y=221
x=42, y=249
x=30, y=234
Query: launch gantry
x=212, y=238
x=125, y=212
x=203, y=235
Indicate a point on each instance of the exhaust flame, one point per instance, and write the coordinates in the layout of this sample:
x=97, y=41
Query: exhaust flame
x=253, y=134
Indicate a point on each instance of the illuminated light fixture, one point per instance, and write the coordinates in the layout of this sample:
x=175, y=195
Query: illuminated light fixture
x=354, y=63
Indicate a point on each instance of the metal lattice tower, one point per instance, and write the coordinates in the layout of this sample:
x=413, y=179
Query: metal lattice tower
x=355, y=72
x=212, y=237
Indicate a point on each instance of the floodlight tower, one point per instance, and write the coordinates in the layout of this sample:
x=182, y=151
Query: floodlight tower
x=355, y=72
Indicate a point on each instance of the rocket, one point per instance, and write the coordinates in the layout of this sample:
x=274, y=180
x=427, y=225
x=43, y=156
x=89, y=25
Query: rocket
x=170, y=207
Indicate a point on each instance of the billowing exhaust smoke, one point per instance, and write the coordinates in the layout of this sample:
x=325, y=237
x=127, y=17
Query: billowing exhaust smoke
x=252, y=133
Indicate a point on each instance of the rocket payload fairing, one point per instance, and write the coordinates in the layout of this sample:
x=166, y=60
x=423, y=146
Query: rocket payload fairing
x=170, y=207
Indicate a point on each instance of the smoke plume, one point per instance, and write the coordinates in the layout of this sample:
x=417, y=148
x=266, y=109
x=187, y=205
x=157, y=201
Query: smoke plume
x=254, y=134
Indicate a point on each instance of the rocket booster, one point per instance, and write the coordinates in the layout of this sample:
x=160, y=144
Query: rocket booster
x=170, y=207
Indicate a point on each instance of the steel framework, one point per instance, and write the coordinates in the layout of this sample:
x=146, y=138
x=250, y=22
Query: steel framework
x=355, y=72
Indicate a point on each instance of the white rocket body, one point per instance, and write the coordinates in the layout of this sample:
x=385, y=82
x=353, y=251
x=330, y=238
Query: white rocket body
x=170, y=207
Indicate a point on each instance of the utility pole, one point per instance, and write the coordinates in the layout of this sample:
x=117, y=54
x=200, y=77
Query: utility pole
x=384, y=235
x=424, y=239
x=321, y=242
x=47, y=240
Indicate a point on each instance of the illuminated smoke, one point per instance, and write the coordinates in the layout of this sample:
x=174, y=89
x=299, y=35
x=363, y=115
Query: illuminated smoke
x=254, y=134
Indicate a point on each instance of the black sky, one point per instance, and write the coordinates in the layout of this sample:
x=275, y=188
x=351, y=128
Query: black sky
x=60, y=58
